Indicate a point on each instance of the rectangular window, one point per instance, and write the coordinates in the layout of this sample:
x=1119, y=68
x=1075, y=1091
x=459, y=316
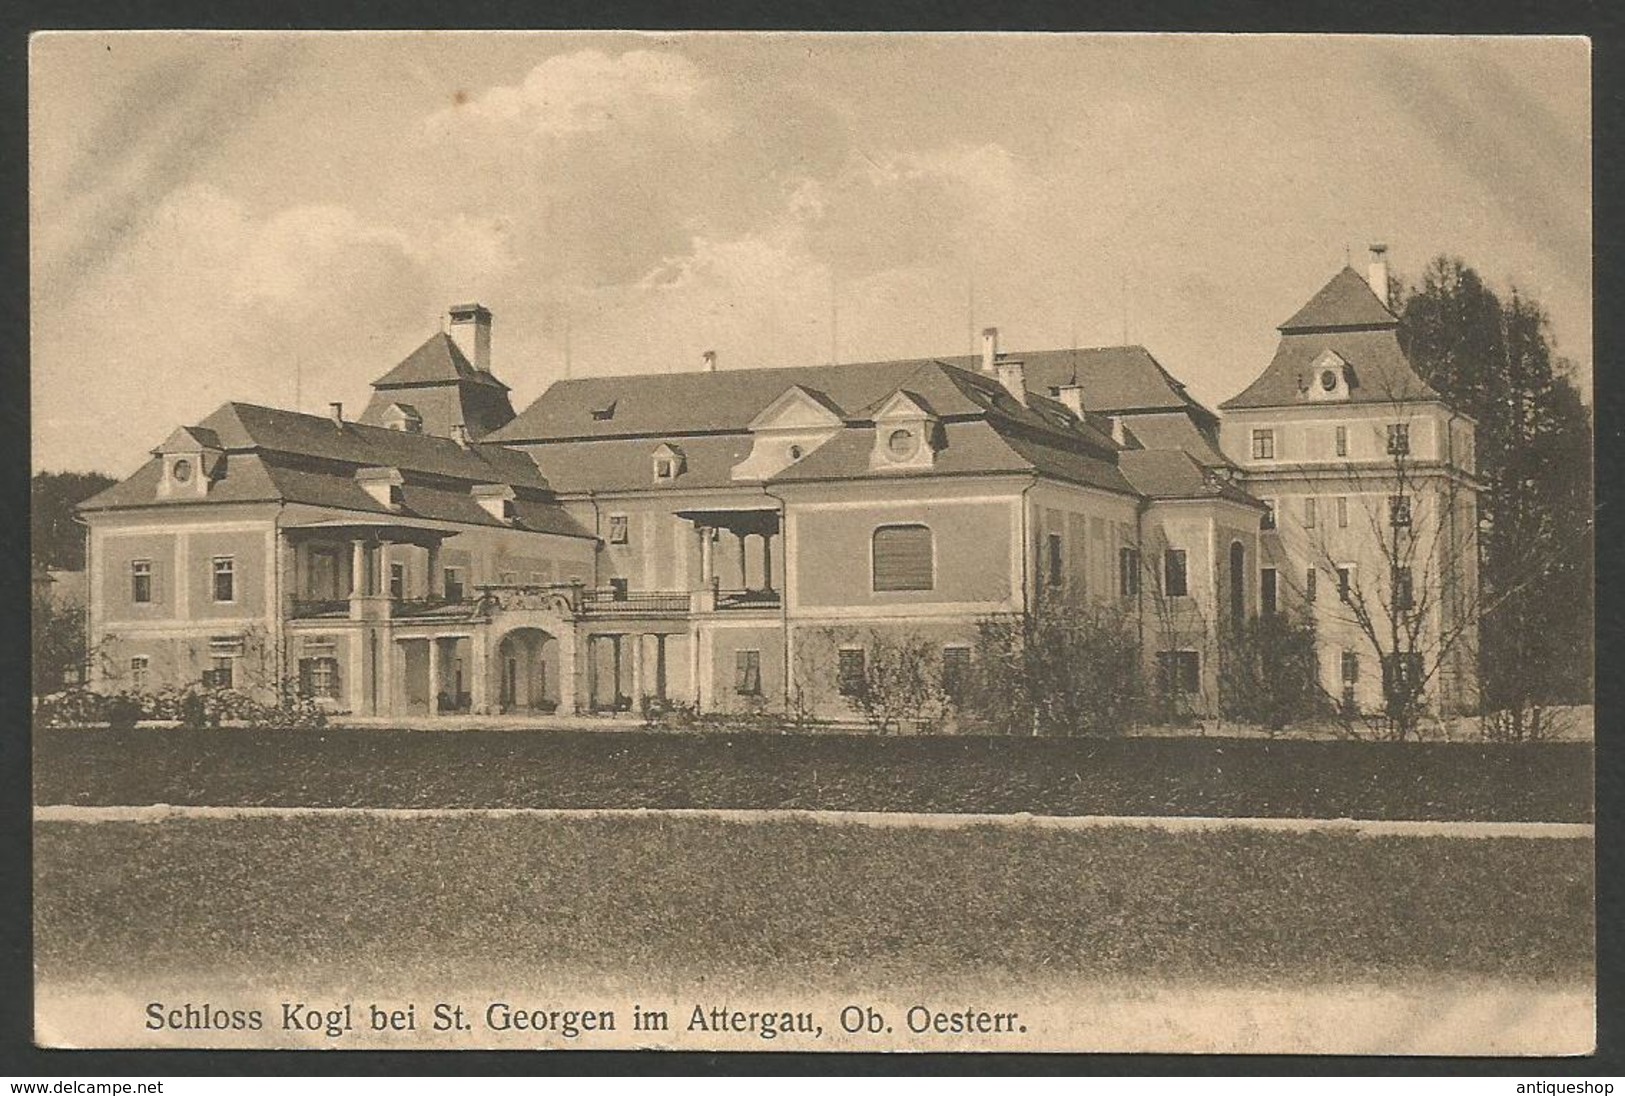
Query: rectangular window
x=1399, y=439
x=138, y=672
x=1057, y=570
x=225, y=578
x=849, y=672
x=619, y=530
x=1350, y=667
x=220, y=675
x=1342, y=443
x=1345, y=582
x=397, y=581
x=1342, y=513
x=1174, y=577
x=748, y=673
x=508, y=578
x=141, y=581
x=665, y=468
x=1178, y=673
x=1309, y=513
x=903, y=558
x=319, y=677
x=1404, y=592
x=1399, y=511
x=453, y=577
x=1128, y=572
x=1310, y=578
x=1266, y=590
x=1268, y=520
x=619, y=588
x=1263, y=445
x=955, y=671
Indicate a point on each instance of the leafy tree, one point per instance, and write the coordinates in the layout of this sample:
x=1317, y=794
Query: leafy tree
x=1494, y=360
x=1062, y=669
x=58, y=540
x=58, y=632
x=1269, y=673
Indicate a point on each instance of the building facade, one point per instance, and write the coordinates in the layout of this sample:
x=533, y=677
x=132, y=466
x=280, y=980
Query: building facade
x=729, y=539
x=1370, y=479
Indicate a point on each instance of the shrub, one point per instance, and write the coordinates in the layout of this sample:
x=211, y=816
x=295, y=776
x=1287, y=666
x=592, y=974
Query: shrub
x=1269, y=673
x=1064, y=669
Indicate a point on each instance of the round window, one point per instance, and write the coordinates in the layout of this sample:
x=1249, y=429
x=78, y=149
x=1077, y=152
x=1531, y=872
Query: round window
x=1328, y=380
x=902, y=444
x=794, y=451
x=181, y=470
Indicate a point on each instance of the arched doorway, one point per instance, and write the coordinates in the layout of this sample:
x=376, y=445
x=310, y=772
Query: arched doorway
x=1238, y=586
x=528, y=671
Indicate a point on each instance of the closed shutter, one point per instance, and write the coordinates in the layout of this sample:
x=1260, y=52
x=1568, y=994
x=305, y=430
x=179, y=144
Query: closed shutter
x=903, y=558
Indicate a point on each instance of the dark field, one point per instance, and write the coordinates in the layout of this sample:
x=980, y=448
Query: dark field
x=368, y=898
x=1550, y=782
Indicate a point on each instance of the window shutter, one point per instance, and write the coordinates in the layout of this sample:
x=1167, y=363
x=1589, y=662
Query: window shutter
x=902, y=558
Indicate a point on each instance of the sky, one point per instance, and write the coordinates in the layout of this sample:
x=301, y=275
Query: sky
x=280, y=218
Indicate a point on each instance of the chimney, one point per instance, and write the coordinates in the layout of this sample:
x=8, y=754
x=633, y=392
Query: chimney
x=335, y=411
x=469, y=326
x=1377, y=272
x=459, y=434
x=1071, y=396
x=1013, y=375
x=990, y=348
x=710, y=361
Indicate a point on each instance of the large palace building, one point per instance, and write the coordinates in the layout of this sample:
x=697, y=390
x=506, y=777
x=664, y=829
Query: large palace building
x=727, y=538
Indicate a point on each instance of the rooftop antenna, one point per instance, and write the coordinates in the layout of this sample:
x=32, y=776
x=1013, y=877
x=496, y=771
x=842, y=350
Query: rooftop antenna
x=970, y=315
x=834, y=321
x=566, y=342
x=1122, y=292
x=1347, y=261
x=1074, y=380
x=298, y=381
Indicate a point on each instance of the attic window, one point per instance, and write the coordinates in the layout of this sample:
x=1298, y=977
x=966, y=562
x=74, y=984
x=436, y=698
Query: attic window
x=605, y=413
x=665, y=468
x=668, y=462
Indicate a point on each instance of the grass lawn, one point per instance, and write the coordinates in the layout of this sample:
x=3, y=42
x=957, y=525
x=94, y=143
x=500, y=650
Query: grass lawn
x=363, y=898
x=1550, y=782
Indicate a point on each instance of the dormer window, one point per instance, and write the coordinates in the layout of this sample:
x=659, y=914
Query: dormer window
x=496, y=499
x=181, y=470
x=1330, y=377
x=903, y=443
x=403, y=417
x=669, y=463
x=906, y=433
x=605, y=413
x=384, y=485
x=191, y=460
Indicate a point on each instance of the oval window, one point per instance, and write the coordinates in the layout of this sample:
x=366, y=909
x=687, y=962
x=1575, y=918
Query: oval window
x=794, y=451
x=182, y=471
x=902, y=444
x=1328, y=380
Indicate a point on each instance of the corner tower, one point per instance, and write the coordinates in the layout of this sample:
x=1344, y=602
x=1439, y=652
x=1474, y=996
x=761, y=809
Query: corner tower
x=445, y=383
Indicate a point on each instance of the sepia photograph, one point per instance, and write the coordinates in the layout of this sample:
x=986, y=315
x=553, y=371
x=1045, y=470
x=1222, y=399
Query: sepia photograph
x=812, y=542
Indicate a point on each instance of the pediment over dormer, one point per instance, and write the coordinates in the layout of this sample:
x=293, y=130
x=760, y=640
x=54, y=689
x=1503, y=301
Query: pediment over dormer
x=798, y=408
x=192, y=459
x=907, y=434
x=797, y=422
x=1330, y=378
x=903, y=405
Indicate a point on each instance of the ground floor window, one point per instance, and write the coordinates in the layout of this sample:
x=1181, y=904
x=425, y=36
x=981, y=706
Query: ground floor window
x=1128, y=572
x=319, y=677
x=1266, y=590
x=1178, y=673
x=956, y=671
x=1350, y=674
x=219, y=675
x=138, y=672
x=748, y=673
x=849, y=671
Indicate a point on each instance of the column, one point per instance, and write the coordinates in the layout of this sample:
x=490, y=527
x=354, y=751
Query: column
x=637, y=668
x=383, y=568
x=477, y=700
x=615, y=668
x=567, y=649
x=434, y=590
x=660, y=665
x=434, y=676
x=744, y=572
x=358, y=567
x=708, y=575
x=767, y=561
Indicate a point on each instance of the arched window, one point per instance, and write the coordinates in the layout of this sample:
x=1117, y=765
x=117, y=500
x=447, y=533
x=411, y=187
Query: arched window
x=1238, y=585
x=903, y=558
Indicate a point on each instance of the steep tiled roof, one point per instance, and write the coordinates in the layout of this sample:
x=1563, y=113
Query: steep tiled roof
x=726, y=400
x=1173, y=474
x=1113, y=378
x=437, y=361
x=1345, y=317
x=249, y=426
x=1345, y=301
x=1172, y=430
x=1378, y=371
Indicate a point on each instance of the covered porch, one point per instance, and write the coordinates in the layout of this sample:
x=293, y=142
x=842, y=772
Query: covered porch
x=739, y=567
x=364, y=567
